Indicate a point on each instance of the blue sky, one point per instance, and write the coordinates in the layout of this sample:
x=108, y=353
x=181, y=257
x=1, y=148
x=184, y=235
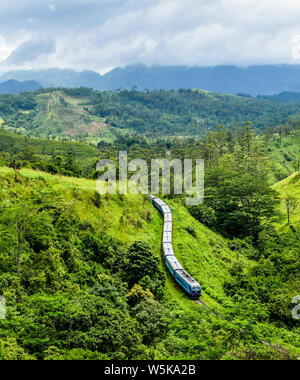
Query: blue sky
x=102, y=34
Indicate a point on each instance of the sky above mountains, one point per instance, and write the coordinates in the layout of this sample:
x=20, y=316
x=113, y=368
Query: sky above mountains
x=102, y=34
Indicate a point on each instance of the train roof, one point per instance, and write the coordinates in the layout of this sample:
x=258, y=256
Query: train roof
x=166, y=209
x=168, y=217
x=167, y=237
x=168, y=249
x=168, y=226
x=188, y=278
x=174, y=262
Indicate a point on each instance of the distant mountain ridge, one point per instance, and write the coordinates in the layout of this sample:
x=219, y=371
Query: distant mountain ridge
x=15, y=87
x=54, y=77
x=288, y=97
x=254, y=80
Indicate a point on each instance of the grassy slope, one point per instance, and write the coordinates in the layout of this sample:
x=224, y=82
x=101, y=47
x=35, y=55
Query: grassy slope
x=207, y=257
x=285, y=150
x=290, y=185
x=163, y=113
x=61, y=115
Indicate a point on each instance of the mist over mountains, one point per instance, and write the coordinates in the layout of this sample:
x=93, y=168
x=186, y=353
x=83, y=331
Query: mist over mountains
x=15, y=87
x=254, y=80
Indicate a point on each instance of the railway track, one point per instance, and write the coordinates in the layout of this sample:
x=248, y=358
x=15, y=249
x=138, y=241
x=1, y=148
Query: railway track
x=202, y=304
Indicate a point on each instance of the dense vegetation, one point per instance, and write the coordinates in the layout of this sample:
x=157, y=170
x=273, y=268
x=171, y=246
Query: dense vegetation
x=290, y=193
x=82, y=274
x=84, y=113
x=76, y=291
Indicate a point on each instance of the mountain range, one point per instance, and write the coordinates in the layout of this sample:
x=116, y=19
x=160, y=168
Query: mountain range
x=253, y=80
x=15, y=87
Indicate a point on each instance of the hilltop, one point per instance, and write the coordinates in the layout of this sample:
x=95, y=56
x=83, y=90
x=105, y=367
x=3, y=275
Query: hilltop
x=15, y=87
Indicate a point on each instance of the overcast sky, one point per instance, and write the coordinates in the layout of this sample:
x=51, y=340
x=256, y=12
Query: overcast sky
x=102, y=34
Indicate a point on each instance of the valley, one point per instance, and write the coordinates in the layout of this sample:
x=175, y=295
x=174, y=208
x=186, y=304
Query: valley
x=83, y=274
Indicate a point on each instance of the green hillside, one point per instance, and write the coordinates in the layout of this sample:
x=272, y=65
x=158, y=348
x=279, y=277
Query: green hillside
x=290, y=186
x=76, y=298
x=52, y=113
x=206, y=255
x=93, y=115
x=285, y=150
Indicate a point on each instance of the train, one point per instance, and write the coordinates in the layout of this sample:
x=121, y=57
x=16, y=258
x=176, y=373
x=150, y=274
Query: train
x=182, y=278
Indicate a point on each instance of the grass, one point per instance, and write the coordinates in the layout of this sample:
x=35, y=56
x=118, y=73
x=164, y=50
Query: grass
x=59, y=114
x=289, y=186
x=204, y=254
x=285, y=150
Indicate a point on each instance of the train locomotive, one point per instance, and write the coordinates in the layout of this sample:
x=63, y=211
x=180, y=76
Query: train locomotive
x=180, y=276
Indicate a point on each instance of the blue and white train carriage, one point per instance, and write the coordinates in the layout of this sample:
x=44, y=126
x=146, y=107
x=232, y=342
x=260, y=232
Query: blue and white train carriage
x=182, y=278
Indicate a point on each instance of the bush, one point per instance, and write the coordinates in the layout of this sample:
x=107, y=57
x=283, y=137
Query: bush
x=203, y=214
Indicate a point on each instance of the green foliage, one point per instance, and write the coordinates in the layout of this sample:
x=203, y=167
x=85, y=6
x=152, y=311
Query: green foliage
x=274, y=280
x=284, y=150
x=137, y=294
x=87, y=114
x=82, y=274
x=289, y=188
x=204, y=214
x=84, y=292
x=10, y=350
x=141, y=263
x=185, y=112
x=238, y=194
x=153, y=320
x=291, y=204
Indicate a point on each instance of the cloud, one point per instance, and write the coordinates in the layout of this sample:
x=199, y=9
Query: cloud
x=30, y=51
x=4, y=49
x=96, y=34
x=52, y=7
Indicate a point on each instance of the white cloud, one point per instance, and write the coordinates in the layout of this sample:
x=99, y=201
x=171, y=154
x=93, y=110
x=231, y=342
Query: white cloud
x=52, y=7
x=5, y=50
x=97, y=34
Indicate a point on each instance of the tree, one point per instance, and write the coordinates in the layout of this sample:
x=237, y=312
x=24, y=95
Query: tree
x=291, y=204
x=57, y=160
x=241, y=201
x=16, y=166
x=17, y=221
x=268, y=134
x=10, y=350
x=141, y=263
x=28, y=154
x=153, y=320
x=137, y=294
